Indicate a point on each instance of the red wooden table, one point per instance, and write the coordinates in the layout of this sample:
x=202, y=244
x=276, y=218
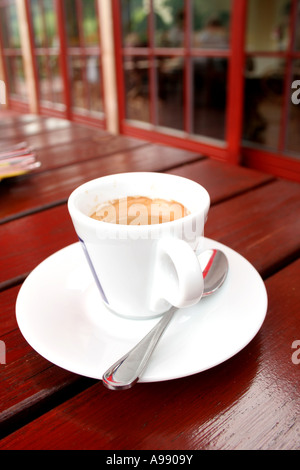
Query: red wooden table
x=250, y=401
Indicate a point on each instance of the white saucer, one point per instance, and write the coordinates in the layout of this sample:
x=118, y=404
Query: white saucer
x=61, y=315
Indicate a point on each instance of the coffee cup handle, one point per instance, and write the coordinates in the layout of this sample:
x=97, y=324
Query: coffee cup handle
x=178, y=278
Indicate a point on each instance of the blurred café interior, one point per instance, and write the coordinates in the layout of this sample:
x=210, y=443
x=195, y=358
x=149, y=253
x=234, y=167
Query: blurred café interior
x=219, y=77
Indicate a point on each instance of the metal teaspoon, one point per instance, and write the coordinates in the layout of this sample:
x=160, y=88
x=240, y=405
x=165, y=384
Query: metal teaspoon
x=127, y=370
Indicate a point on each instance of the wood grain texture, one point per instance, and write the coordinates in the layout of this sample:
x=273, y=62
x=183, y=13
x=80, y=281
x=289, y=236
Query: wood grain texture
x=50, y=230
x=9, y=119
x=51, y=137
x=54, y=154
x=37, y=191
x=31, y=127
x=34, y=238
x=249, y=402
x=222, y=181
x=28, y=382
x=261, y=225
x=96, y=146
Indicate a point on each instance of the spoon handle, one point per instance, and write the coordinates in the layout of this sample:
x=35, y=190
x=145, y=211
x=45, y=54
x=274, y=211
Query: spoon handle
x=127, y=370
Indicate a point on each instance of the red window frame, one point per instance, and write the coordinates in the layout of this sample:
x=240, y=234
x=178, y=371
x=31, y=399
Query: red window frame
x=65, y=110
x=278, y=162
x=14, y=102
x=56, y=110
x=234, y=150
x=82, y=51
x=229, y=150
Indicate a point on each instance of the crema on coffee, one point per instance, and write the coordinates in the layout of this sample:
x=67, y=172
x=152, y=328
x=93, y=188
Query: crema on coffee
x=139, y=210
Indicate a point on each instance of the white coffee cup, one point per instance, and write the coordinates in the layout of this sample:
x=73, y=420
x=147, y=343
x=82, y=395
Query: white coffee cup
x=142, y=270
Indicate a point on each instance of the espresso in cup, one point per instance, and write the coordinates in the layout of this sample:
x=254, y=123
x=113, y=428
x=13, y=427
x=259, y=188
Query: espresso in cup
x=139, y=210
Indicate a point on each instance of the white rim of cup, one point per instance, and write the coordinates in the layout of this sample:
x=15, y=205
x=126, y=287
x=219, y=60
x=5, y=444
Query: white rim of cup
x=119, y=228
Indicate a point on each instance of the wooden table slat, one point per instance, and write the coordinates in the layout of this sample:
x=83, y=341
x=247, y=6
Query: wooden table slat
x=13, y=121
x=244, y=223
x=38, y=126
x=51, y=138
x=98, y=418
x=53, y=230
x=249, y=402
x=259, y=226
x=36, y=379
x=222, y=181
x=84, y=149
x=35, y=191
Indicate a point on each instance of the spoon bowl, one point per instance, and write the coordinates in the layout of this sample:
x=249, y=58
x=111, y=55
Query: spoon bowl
x=124, y=373
x=214, y=265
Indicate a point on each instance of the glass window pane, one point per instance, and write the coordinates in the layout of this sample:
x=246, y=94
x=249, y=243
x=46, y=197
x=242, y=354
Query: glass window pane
x=170, y=76
x=10, y=68
x=50, y=23
x=72, y=28
x=268, y=25
x=37, y=23
x=90, y=23
x=44, y=81
x=4, y=27
x=94, y=83
x=77, y=66
x=210, y=96
x=137, y=88
x=297, y=32
x=9, y=27
x=86, y=83
x=169, y=23
x=12, y=18
x=44, y=23
x=57, y=82
x=15, y=75
x=293, y=134
x=20, y=83
x=211, y=24
x=264, y=88
x=135, y=22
